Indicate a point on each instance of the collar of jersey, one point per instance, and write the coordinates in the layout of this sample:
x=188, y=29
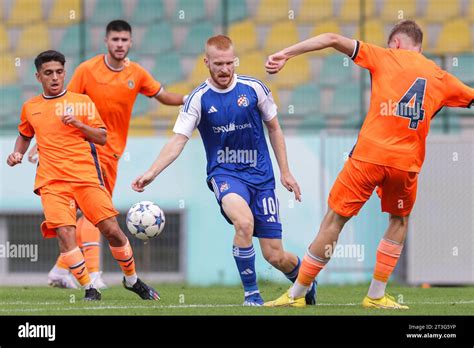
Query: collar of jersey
x=54, y=96
x=110, y=67
x=219, y=90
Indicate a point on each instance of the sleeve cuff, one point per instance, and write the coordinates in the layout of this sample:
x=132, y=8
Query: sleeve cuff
x=356, y=50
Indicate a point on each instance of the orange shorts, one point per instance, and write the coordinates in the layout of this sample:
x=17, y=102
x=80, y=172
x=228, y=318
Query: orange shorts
x=61, y=199
x=357, y=181
x=109, y=166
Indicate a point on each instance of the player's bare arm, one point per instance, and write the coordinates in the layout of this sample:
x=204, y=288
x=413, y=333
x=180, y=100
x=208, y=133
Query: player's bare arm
x=95, y=135
x=279, y=148
x=168, y=155
x=169, y=98
x=341, y=43
x=33, y=154
x=21, y=145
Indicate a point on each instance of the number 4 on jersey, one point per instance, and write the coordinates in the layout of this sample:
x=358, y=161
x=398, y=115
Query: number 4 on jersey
x=411, y=104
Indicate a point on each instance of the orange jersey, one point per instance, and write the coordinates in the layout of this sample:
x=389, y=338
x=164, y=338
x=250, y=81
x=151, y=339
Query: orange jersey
x=407, y=92
x=65, y=153
x=114, y=93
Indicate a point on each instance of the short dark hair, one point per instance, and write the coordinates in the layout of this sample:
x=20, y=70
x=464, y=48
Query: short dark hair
x=410, y=28
x=49, y=56
x=118, y=25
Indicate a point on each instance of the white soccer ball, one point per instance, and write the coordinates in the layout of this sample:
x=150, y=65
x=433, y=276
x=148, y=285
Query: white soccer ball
x=145, y=220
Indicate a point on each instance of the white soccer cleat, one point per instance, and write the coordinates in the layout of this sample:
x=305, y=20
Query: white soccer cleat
x=96, y=279
x=62, y=281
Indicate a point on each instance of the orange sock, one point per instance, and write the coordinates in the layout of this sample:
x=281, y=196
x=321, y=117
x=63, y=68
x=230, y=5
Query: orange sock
x=124, y=257
x=77, y=266
x=309, y=269
x=61, y=264
x=89, y=237
x=388, y=253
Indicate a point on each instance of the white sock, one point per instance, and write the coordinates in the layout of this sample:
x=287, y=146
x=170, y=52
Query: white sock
x=131, y=279
x=298, y=290
x=88, y=286
x=59, y=271
x=376, y=289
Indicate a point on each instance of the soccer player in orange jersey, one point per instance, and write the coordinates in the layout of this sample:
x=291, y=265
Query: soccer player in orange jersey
x=407, y=92
x=67, y=126
x=113, y=82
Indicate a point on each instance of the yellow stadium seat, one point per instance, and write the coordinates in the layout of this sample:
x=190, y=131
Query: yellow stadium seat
x=8, y=70
x=397, y=10
x=455, y=37
x=330, y=26
x=373, y=33
x=295, y=72
x=350, y=10
x=244, y=36
x=280, y=36
x=199, y=73
x=169, y=111
x=33, y=40
x=252, y=64
x=275, y=93
x=65, y=12
x=441, y=10
x=312, y=11
x=470, y=11
x=426, y=38
x=141, y=126
x=4, y=42
x=26, y=12
x=270, y=11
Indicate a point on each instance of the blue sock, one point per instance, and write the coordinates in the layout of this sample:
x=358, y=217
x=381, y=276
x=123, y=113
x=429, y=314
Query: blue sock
x=245, y=260
x=292, y=275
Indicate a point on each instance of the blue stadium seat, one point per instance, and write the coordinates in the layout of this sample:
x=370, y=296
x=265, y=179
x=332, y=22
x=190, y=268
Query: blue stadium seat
x=336, y=69
x=106, y=11
x=141, y=106
x=167, y=68
x=305, y=99
x=71, y=41
x=345, y=102
x=157, y=39
x=236, y=11
x=196, y=38
x=10, y=97
x=189, y=11
x=464, y=68
x=148, y=11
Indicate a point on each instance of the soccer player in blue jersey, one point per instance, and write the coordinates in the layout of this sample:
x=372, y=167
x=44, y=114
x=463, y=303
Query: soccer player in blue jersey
x=228, y=110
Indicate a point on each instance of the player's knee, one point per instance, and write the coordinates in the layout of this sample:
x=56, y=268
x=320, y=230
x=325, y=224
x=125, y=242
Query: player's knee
x=67, y=238
x=275, y=258
x=244, y=227
x=112, y=232
x=398, y=221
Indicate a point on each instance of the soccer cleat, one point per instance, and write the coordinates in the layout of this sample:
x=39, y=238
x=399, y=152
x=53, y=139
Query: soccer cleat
x=92, y=294
x=312, y=294
x=253, y=300
x=96, y=279
x=61, y=281
x=141, y=289
x=386, y=302
x=286, y=300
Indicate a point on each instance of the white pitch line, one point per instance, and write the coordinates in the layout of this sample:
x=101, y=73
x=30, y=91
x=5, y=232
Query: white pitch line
x=194, y=306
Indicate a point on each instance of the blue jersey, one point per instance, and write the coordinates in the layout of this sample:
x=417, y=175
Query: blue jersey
x=230, y=123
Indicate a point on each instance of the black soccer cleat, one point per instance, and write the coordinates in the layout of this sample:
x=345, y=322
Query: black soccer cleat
x=141, y=289
x=92, y=294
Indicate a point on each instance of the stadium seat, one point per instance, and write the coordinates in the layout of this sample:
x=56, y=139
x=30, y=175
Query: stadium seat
x=236, y=11
x=141, y=105
x=350, y=10
x=272, y=11
x=470, y=11
x=305, y=99
x=446, y=123
x=10, y=97
x=464, y=68
x=396, y=10
x=345, y=102
x=196, y=38
x=4, y=40
x=157, y=39
x=455, y=37
x=330, y=26
x=373, y=33
x=281, y=35
x=336, y=70
x=167, y=68
x=313, y=11
x=141, y=126
x=296, y=71
x=106, y=11
x=148, y=11
x=252, y=64
x=189, y=11
x=169, y=111
x=2, y=13
x=71, y=41
x=8, y=71
x=33, y=40
x=441, y=11
x=244, y=36
x=65, y=12
x=25, y=12
x=199, y=72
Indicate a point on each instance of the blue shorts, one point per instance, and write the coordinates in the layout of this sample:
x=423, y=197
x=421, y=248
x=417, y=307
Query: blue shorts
x=262, y=203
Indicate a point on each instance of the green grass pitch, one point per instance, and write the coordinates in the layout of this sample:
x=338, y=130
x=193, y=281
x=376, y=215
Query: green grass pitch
x=220, y=300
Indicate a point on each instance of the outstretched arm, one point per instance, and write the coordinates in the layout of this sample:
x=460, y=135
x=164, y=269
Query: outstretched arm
x=279, y=148
x=341, y=43
x=169, y=98
x=168, y=155
x=21, y=145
